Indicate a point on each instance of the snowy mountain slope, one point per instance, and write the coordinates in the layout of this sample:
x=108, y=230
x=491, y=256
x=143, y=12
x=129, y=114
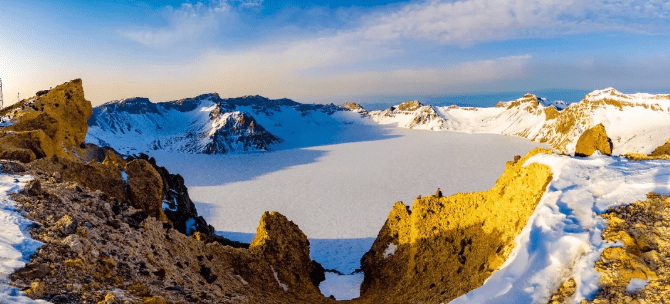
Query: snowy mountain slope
x=207, y=123
x=411, y=115
x=636, y=123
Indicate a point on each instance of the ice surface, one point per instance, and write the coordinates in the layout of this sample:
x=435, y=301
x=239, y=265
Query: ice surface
x=342, y=287
x=15, y=242
x=341, y=190
x=563, y=239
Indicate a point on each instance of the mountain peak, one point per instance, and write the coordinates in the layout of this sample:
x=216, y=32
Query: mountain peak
x=411, y=105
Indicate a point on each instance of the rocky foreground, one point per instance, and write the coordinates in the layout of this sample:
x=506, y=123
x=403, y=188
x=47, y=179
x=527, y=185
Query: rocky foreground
x=124, y=230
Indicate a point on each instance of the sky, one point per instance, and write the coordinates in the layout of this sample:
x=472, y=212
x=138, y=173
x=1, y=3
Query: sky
x=375, y=51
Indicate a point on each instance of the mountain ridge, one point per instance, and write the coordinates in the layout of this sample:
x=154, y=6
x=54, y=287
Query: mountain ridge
x=211, y=124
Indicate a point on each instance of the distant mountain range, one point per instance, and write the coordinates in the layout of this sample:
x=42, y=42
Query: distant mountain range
x=212, y=125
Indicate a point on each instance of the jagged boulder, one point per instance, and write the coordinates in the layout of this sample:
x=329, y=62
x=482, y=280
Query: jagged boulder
x=592, y=140
x=447, y=246
x=285, y=248
x=51, y=123
x=145, y=188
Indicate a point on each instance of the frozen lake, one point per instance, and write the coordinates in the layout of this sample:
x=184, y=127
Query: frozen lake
x=344, y=183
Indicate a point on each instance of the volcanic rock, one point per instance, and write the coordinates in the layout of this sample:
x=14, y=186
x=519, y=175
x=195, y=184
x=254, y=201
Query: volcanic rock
x=447, y=246
x=286, y=249
x=145, y=188
x=592, y=140
x=54, y=123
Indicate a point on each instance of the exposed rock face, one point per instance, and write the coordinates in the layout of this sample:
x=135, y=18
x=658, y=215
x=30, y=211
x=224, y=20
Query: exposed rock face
x=644, y=230
x=352, y=106
x=179, y=208
x=53, y=123
x=409, y=106
x=91, y=175
x=447, y=246
x=286, y=249
x=145, y=188
x=99, y=250
x=237, y=132
x=662, y=150
x=592, y=140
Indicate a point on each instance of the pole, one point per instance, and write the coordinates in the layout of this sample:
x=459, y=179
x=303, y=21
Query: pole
x=2, y=102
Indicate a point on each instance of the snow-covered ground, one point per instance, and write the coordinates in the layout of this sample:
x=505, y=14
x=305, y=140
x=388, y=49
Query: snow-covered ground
x=562, y=239
x=15, y=242
x=341, y=190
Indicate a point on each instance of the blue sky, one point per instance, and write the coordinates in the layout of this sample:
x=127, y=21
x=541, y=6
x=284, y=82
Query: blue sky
x=333, y=51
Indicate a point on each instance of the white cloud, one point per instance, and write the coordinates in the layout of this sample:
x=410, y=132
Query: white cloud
x=472, y=21
x=190, y=21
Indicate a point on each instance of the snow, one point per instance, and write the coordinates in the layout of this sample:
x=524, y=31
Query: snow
x=169, y=128
x=5, y=122
x=636, y=284
x=390, y=250
x=15, y=242
x=346, y=187
x=562, y=239
x=283, y=286
x=345, y=287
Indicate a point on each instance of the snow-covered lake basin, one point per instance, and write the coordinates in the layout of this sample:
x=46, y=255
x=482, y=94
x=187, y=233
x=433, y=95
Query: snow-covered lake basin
x=341, y=190
x=340, y=187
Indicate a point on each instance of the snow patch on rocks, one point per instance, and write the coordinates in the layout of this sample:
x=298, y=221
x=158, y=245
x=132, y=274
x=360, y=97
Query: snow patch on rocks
x=16, y=245
x=563, y=238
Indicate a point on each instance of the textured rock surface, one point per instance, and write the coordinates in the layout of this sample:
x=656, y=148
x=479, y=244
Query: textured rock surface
x=447, y=246
x=592, y=140
x=51, y=124
x=90, y=175
x=102, y=250
x=663, y=150
x=285, y=248
x=178, y=205
x=644, y=230
x=145, y=188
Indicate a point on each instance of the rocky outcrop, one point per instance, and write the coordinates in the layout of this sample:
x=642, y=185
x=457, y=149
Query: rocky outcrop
x=592, y=140
x=446, y=246
x=235, y=132
x=98, y=250
x=663, y=150
x=285, y=248
x=638, y=270
x=179, y=208
x=145, y=188
x=52, y=123
x=90, y=175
